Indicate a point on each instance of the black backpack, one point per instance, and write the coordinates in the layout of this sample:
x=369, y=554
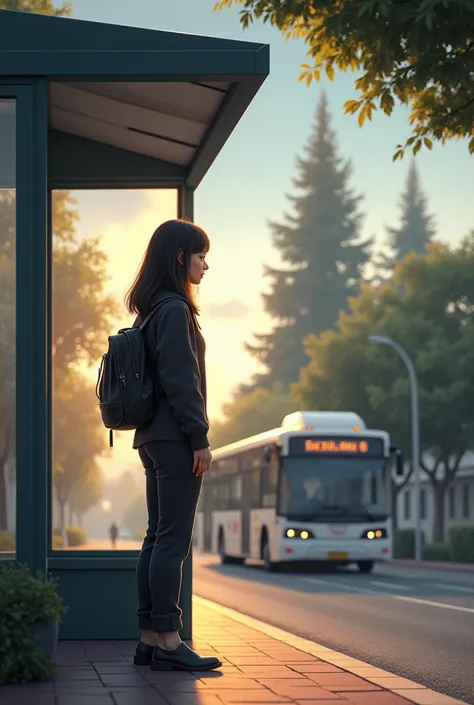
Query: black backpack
x=126, y=385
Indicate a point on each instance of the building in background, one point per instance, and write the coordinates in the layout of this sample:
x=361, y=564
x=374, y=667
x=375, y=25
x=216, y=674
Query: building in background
x=459, y=501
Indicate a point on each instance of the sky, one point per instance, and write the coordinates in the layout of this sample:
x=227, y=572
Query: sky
x=246, y=186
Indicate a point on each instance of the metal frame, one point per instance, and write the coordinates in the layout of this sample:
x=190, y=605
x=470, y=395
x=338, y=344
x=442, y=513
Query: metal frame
x=63, y=563
x=186, y=210
x=32, y=437
x=67, y=50
x=34, y=51
x=114, y=168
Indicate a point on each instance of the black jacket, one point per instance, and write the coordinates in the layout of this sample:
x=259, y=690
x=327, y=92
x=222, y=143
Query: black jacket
x=177, y=349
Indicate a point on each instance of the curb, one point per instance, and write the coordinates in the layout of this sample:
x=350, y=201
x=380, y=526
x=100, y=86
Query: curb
x=403, y=687
x=461, y=567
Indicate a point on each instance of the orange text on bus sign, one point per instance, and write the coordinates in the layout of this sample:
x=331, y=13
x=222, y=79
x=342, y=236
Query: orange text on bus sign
x=336, y=446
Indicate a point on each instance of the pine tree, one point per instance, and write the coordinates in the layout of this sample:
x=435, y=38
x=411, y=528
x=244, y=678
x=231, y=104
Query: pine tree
x=322, y=254
x=416, y=227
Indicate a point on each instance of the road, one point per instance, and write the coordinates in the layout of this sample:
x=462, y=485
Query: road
x=415, y=622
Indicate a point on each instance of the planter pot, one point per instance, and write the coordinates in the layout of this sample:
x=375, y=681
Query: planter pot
x=47, y=635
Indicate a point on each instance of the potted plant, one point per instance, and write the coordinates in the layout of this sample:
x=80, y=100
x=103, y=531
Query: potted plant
x=30, y=612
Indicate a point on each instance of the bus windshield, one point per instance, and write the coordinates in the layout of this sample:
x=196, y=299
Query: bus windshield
x=333, y=488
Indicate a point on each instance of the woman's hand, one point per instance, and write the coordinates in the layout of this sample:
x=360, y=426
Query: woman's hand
x=202, y=461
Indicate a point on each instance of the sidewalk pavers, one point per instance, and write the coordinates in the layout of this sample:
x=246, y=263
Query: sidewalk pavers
x=261, y=665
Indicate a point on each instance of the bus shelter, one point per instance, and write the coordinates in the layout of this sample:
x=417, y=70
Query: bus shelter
x=87, y=108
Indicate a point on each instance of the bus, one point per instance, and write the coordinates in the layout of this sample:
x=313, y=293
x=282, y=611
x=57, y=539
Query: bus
x=316, y=489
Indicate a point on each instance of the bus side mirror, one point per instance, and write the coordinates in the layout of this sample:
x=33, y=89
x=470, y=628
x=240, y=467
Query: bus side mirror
x=269, y=450
x=399, y=460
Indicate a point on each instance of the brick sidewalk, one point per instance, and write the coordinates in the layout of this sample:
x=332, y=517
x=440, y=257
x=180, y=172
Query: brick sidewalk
x=261, y=664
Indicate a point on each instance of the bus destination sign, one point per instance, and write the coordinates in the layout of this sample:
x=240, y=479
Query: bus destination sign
x=367, y=447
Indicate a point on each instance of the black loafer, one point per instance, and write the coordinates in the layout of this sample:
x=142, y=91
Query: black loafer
x=143, y=654
x=182, y=659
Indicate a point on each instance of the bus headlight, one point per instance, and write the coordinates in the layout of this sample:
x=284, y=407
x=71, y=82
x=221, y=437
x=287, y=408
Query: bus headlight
x=299, y=534
x=372, y=534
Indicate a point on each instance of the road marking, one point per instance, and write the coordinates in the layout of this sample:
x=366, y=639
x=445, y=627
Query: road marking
x=390, y=586
x=430, y=603
x=350, y=588
x=404, y=598
x=454, y=587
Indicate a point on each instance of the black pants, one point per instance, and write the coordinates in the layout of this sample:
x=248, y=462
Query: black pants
x=172, y=494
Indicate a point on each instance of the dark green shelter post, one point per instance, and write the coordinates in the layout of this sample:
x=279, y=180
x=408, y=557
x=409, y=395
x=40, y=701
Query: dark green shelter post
x=85, y=105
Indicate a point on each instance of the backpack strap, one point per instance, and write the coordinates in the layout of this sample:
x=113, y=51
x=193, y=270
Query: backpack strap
x=155, y=309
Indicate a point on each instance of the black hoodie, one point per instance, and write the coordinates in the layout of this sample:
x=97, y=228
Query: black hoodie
x=177, y=349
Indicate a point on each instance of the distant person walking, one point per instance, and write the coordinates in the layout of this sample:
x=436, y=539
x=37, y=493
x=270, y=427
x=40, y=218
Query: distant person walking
x=174, y=448
x=114, y=532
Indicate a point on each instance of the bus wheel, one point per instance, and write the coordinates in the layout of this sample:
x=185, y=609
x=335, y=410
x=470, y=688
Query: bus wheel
x=267, y=563
x=365, y=566
x=224, y=559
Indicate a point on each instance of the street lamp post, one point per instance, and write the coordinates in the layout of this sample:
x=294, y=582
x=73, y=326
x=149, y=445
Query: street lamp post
x=415, y=429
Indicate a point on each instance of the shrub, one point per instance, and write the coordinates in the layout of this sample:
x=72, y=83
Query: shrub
x=404, y=543
x=58, y=542
x=26, y=599
x=461, y=543
x=7, y=541
x=436, y=552
x=75, y=536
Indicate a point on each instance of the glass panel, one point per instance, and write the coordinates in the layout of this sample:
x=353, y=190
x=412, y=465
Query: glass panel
x=333, y=489
x=99, y=238
x=7, y=325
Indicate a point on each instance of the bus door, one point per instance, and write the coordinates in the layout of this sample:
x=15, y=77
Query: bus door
x=247, y=503
x=208, y=504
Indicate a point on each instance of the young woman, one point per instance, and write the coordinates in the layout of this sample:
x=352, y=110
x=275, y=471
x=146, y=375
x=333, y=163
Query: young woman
x=174, y=448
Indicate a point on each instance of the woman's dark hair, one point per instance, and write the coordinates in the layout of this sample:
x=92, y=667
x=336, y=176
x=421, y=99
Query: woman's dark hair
x=161, y=269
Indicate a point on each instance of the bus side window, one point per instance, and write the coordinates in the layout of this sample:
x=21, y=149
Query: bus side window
x=255, y=496
x=269, y=484
x=236, y=491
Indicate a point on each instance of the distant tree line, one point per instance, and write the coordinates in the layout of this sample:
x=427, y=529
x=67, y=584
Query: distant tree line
x=333, y=289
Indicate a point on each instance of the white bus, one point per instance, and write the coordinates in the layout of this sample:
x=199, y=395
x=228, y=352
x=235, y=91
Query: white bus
x=316, y=489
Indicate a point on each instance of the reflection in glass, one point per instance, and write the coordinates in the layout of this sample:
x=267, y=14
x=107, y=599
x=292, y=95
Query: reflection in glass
x=334, y=489
x=99, y=238
x=7, y=326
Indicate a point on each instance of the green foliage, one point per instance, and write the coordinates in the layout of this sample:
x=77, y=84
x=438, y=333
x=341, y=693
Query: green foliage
x=419, y=53
x=461, y=542
x=80, y=321
x=58, y=539
x=416, y=229
x=88, y=492
x=82, y=318
x=323, y=257
x=7, y=541
x=7, y=223
x=26, y=599
x=429, y=309
x=77, y=476
x=134, y=516
x=58, y=542
x=437, y=552
x=404, y=543
x=75, y=536
x=251, y=413
x=7, y=358
x=38, y=7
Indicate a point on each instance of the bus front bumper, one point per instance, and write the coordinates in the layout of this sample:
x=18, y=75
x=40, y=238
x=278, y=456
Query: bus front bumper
x=335, y=551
